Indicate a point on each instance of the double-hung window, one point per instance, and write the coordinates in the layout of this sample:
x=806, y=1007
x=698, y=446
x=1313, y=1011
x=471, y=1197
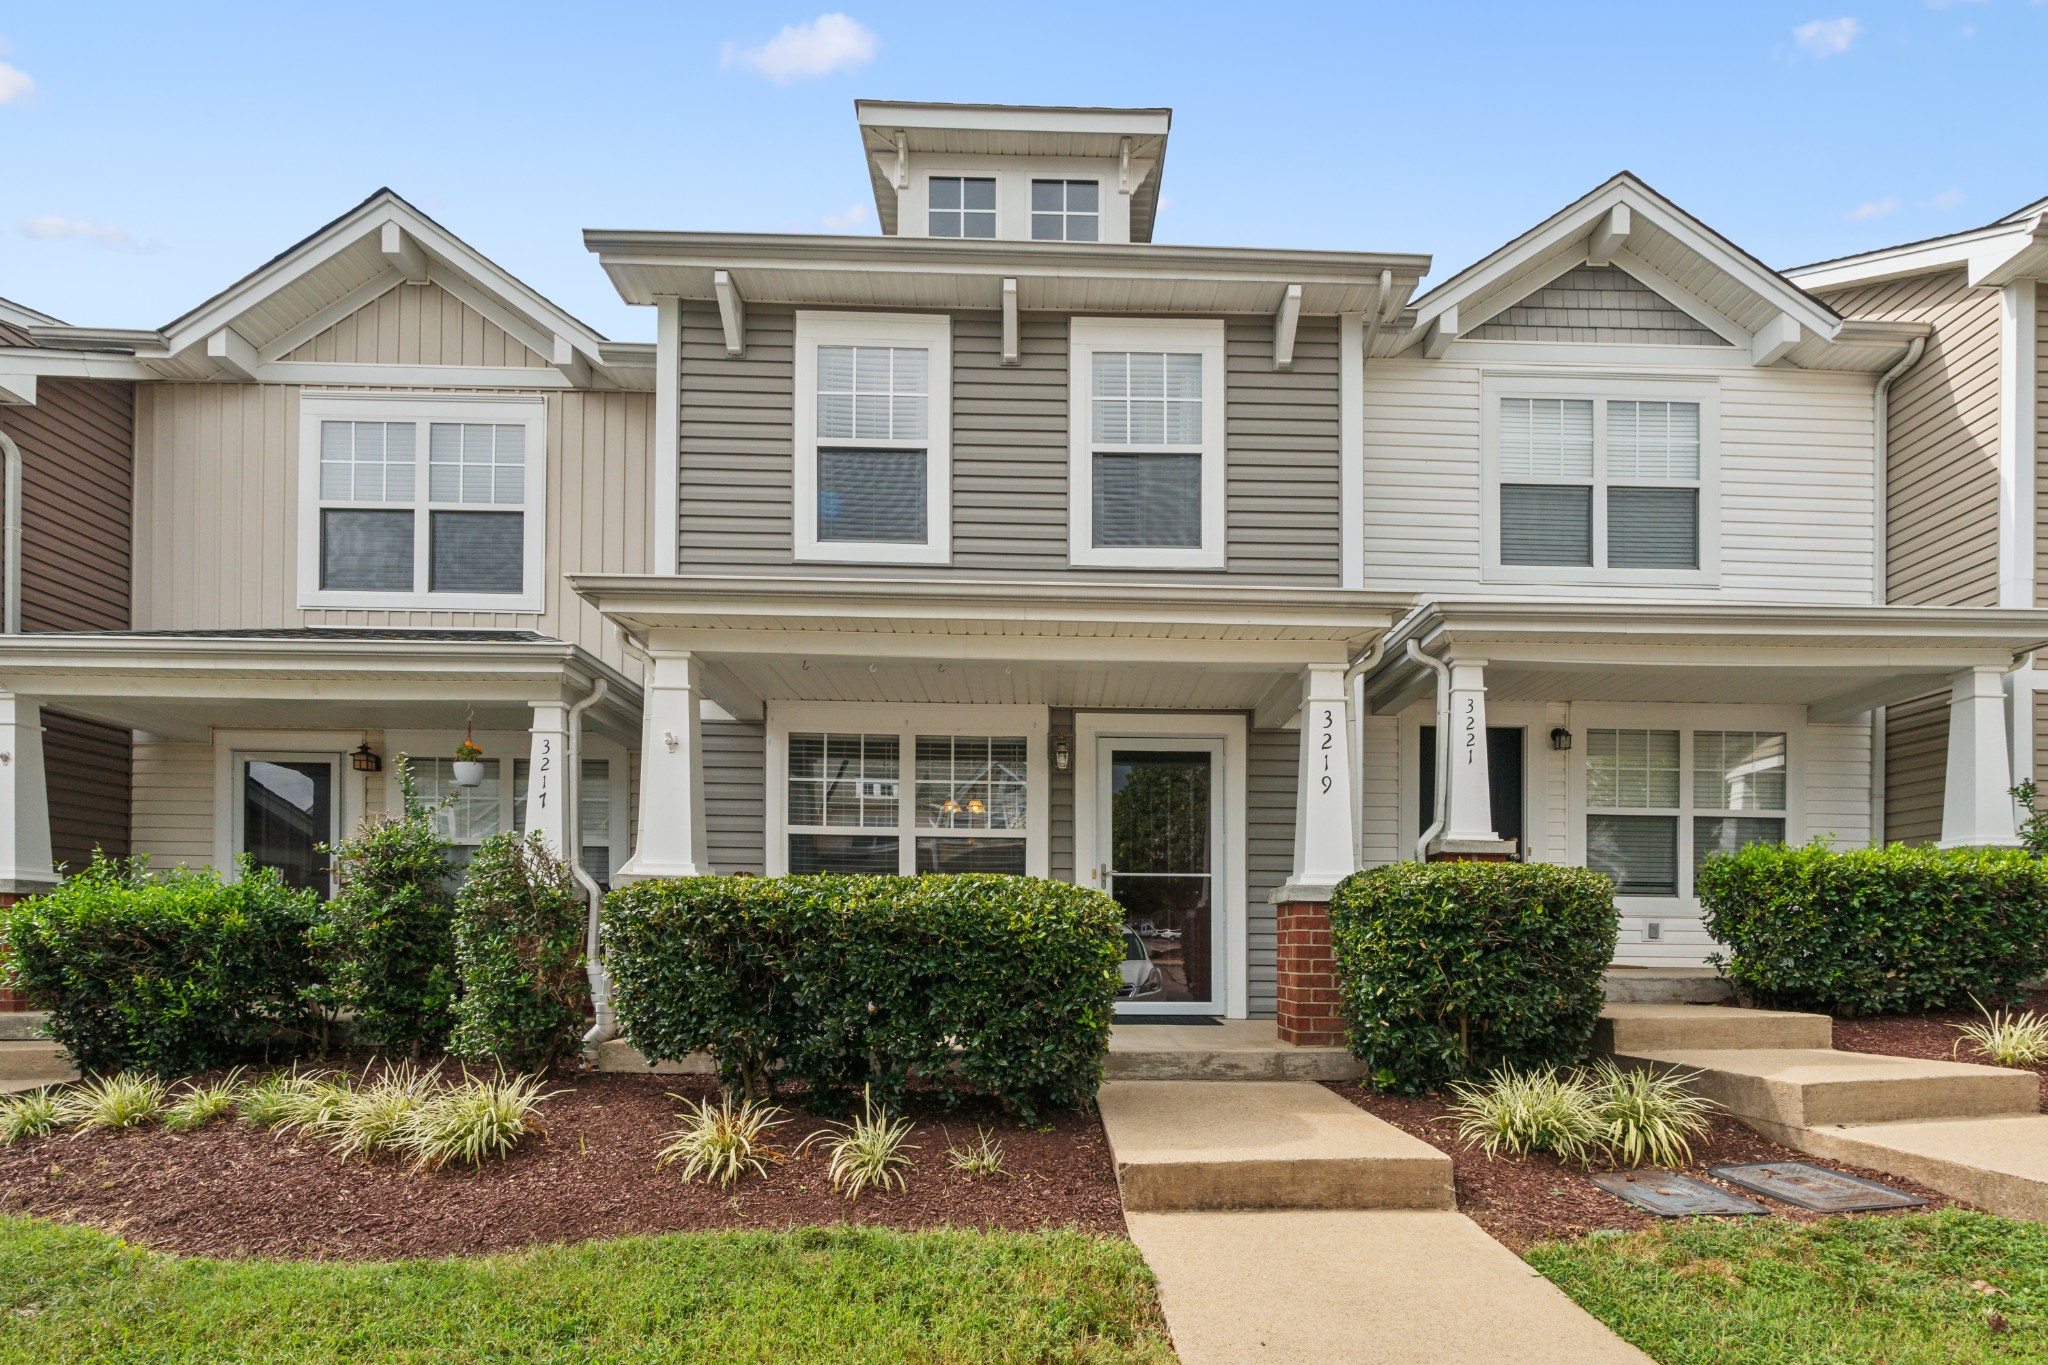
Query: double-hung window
x=1660, y=801
x=411, y=501
x=1066, y=211
x=1599, y=486
x=873, y=410
x=1147, y=456
x=949, y=789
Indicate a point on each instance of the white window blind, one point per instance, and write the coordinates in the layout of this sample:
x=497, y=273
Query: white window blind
x=476, y=462
x=1628, y=771
x=1653, y=440
x=473, y=814
x=1147, y=498
x=881, y=394
x=367, y=461
x=1736, y=771
x=1546, y=438
x=872, y=393
x=1568, y=466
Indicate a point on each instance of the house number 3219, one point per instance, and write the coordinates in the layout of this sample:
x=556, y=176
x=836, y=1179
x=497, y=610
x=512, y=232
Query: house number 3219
x=1327, y=742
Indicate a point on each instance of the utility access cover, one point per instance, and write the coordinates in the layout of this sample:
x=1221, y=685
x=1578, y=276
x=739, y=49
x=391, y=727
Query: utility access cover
x=1671, y=1195
x=1812, y=1187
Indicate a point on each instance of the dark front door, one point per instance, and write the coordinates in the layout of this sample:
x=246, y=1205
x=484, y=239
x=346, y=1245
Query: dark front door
x=287, y=813
x=1504, y=745
x=1162, y=870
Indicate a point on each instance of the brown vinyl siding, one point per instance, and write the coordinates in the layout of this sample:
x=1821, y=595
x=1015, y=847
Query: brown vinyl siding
x=1597, y=303
x=1010, y=450
x=416, y=325
x=735, y=798
x=1915, y=769
x=1941, y=531
x=87, y=774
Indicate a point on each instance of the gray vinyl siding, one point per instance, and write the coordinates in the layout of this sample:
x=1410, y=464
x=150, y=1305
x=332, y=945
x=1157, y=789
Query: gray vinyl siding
x=735, y=796
x=1915, y=769
x=1941, y=531
x=1060, y=797
x=1599, y=304
x=1273, y=757
x=1009, y=451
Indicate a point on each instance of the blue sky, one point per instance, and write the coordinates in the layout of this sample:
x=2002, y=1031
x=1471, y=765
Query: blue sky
x=152, y=153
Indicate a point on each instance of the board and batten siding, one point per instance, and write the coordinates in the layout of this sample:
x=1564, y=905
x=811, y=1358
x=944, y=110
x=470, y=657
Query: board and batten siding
x=1798, y=505
x=1603, y=304
x=1010, y=452
x=217, y=489
x=417, y=324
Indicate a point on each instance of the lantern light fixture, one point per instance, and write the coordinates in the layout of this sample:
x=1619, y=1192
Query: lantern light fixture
x=1561, y=739
x=363, y=761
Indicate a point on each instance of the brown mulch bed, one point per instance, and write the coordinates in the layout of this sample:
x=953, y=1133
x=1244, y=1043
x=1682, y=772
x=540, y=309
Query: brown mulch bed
x=226, y=1190
x=1931, y=1036
x=1525, y=1200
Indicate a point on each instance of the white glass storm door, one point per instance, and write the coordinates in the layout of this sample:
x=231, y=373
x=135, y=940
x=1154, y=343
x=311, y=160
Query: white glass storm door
x=1159, y=843
x=286, y=806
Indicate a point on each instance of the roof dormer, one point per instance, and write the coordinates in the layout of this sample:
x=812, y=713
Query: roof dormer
x=1014, y=173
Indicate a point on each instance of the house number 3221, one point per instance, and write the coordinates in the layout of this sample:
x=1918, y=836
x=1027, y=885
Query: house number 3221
x=1471, y=730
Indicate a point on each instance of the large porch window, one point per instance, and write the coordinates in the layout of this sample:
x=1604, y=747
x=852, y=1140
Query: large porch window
x=1658, y=801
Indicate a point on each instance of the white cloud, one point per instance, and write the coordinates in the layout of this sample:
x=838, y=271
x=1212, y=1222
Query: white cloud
x=1874, y=208
x=1827, y=37
x=849, y=221
x=15, y=84
x=1947, y=199
x=1165, y=202
x=828, y=43
x=53, y=226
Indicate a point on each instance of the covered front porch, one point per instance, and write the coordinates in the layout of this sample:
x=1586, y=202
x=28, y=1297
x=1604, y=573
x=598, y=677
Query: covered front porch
x=1184, y=749
x=268, y=744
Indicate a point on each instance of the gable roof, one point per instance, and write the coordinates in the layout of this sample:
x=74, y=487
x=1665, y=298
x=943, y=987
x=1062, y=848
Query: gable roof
x=2006, y=249
x=248, y=328
x=1626, y=223
x=21, y=315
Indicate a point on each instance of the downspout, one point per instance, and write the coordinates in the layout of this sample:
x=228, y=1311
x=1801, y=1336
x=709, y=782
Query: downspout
x=1880, y=587
x=1354, y=702
x=10, y=612
x=1443, y=741
x=605, y=1027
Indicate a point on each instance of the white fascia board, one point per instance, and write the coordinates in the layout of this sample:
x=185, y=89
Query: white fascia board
x=887, y=116
x=17, y=389
x=413, y=376
x=1917, y=258
x=52, y=363
x=347, y=305
x=2003, y=261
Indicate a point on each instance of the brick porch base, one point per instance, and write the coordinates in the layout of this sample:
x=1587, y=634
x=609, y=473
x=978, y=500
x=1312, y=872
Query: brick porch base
x=10, y=1002
x=1310, y=1013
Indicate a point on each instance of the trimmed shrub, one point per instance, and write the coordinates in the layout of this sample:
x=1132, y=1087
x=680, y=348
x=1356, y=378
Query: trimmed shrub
x=1877, y=930
x=519, y=925
x=388, y=938
x=849, y=984
x=1450, y=971
x=170, y=973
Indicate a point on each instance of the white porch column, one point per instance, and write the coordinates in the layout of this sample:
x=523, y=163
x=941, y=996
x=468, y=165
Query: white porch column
x=1325, y=851
x=1977, y=807
x=24, y=799
x=671, y=840
x=547, y=784
x=1468, y=803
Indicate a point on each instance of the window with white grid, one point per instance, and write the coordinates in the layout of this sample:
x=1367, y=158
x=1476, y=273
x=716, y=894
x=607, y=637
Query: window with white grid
x=1659, y=802
x=1148, y=447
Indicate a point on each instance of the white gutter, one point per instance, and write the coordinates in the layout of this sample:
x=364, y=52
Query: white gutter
x=1880, y=587
x=605, y=1027
x=1443, y=740
x=10, y=611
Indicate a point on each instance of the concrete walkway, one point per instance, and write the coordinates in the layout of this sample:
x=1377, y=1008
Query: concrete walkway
x=28, y=1060
x=1285, y=1223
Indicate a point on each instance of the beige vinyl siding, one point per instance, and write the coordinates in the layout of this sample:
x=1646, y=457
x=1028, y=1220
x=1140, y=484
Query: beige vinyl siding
x=1915, y=769
x=1379, y=789
x=417, y=325
x=1838, y=784
x=1603, y=304
x=217, y=488
x=735, y=797
x=1272, y=758
x=1010, y=450
x=173, y=811
x=1941, y=534
x=2041, y=743
x=1798, y=497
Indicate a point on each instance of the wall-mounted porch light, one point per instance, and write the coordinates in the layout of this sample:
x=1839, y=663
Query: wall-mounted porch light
x=1561, y=739
x=1062, y=753
x=363, y=761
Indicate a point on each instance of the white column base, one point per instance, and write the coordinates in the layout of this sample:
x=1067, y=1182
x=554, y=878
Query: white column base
x=671, y=842
x=1977, y=805
x=1468, y=805
x=25, y=862
x=547, y=782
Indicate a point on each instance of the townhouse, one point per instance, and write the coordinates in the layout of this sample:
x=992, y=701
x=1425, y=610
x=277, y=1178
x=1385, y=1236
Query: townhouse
x=1011, y=540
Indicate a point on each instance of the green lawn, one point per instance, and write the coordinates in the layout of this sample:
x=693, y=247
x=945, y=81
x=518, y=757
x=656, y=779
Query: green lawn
x=1847, y=1291
x=838, y=1295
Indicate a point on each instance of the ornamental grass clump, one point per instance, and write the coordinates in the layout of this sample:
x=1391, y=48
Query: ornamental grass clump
x=273, y=1101
x=375, y=1115
x=128, y=1099
x=313, y=1107
x=868, y=1152
x=200, y=1104
x=725, y=1143
x=2007, y=1038
x=31, y=1114
x=478, y=1120
x=1648, y=1118
x=1519, y=1112
x=983, y=1157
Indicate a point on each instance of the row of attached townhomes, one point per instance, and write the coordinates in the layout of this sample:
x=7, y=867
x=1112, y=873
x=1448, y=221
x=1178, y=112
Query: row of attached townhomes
x=1010, y=540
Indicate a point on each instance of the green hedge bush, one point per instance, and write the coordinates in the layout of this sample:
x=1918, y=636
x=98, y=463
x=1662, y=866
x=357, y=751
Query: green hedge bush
x=519, y=926
x=1451, y=970
x=387, y=940
x=1877, y=930
x=847, y=982
x=171, y=973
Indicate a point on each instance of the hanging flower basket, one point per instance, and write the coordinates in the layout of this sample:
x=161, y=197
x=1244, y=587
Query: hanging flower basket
x=469, y=765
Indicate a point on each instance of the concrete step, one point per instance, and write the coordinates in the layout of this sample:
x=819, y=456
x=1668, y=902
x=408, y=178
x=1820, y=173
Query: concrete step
x=1213, y=1145
x=1394, y=1287
x=1779, y=1090
x=620, y=1055
x=1627, y=1027
x=1998, y=1163
x=1667, y=986
x=1233, y=1050
x=22, y=1025
x=33, y=1063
